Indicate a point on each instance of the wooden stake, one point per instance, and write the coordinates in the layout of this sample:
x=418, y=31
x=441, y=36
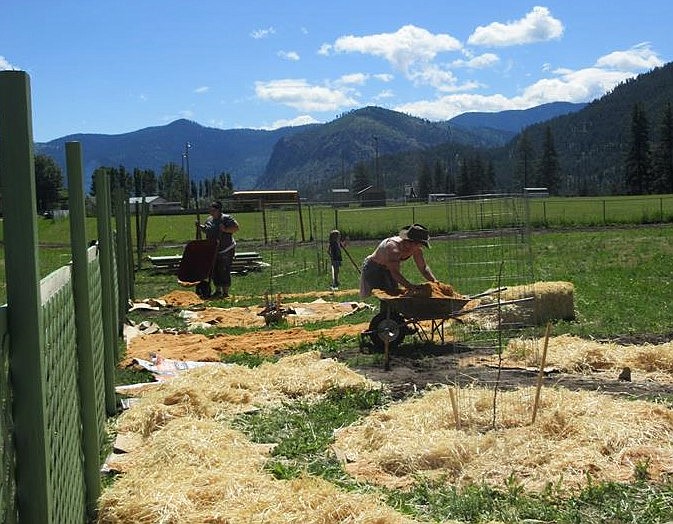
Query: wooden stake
x=540, y=375
x=454, y=405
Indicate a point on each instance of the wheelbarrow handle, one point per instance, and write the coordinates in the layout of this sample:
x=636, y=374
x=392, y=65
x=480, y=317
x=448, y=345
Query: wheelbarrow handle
x=486, y=293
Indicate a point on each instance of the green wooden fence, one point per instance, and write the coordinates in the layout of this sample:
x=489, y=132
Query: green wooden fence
x=58, y=336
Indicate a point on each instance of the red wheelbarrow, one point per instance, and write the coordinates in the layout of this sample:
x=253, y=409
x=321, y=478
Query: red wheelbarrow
x=196, y=266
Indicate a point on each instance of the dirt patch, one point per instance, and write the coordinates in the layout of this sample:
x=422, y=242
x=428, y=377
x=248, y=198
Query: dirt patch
x=415, y=367
x=267, y=342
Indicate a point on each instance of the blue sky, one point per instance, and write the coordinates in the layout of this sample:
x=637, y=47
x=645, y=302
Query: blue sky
x=117, y=66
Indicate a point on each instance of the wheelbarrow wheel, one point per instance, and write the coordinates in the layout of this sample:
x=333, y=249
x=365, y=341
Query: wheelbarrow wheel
x=203, y=289
x=383, y=327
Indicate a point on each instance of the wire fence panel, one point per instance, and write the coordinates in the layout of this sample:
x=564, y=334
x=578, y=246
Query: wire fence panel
x=8, y=510
x=95, y=294
x=64, y=434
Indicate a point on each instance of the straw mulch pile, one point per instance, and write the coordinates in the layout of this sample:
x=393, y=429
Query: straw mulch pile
x=302, y=313
x=575, y=434
x=219, y=392
x=196, y=471
x=573, y=354
x=190, y=467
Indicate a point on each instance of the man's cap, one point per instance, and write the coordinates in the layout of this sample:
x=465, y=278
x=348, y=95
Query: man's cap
x=216, y=205
x=416, y=233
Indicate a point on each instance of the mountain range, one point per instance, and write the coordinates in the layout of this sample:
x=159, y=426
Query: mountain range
x=289, y=157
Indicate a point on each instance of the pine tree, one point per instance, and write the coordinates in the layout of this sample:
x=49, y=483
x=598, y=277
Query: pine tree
x=524, y=160
x=637, y=164
x=663, y=155
x=548, y=170
x=424, y=182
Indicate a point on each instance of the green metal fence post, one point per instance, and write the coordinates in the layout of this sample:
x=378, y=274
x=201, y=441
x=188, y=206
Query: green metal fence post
x=24, y=303
x=121, y=246
x=129, y=258
x=83, y=325
x=107, y=276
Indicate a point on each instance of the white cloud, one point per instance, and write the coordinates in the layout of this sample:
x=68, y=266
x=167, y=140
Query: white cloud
x=448, y=106
x=537, y=26
x=354, y=78
x=301, y=120
x=262, y=33
x=202, y=89
x=403, y=49
x=301, y=95
x=640, y=58
x=5, y=65
x=477, y=62
x=293, y=56
x=384, y=77
x=582, y=85
x=325, y=49
x=386, y=93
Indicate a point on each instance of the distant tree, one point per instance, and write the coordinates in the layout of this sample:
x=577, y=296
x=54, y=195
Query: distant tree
x=171, y=183
x=424, y=182
x=144, y=182
x=438, y=179
x=360, y=177
x=548, y=169
x=489, y=176
x=637, y=163
x=48, y=182
x=524, y=160
x=464, y=184
x=663, y=155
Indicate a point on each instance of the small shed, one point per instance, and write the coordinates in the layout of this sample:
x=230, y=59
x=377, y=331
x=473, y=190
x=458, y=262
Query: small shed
x=156, y=203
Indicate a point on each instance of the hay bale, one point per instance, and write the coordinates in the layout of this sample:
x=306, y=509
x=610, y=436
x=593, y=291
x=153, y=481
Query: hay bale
x=548, y=301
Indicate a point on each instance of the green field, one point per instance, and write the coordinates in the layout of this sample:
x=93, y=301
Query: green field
x=621, y=274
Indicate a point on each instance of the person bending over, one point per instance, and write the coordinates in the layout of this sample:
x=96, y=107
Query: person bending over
x=381, y=269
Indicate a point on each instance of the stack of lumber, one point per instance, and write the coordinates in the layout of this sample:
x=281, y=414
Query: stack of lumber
x=243, y=262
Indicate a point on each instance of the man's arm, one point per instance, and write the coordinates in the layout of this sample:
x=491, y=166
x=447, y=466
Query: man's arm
x=423, y=267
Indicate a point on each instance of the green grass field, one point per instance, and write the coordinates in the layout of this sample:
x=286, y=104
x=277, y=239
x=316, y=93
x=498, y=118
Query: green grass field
x=623, y=284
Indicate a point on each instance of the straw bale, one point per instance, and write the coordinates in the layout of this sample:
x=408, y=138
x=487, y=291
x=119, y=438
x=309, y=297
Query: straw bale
x=200, y=471
x=575, y=354
x=223, y=391
x=550, y=301
x=575, y=434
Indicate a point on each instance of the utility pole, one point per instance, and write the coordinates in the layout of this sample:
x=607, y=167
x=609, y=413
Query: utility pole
x=376, y=162
x=189, y=183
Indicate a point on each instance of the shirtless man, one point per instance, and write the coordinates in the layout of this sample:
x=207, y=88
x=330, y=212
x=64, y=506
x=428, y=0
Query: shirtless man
x=381, y=269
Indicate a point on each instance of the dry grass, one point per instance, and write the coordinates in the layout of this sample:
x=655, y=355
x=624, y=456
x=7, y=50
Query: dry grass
x=200, y=471
x=219, y=392
x=573, y=354
x=576, y=434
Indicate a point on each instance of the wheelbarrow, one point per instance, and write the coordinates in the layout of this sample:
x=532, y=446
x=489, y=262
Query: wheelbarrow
x=196, y=266
x=402, y=315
